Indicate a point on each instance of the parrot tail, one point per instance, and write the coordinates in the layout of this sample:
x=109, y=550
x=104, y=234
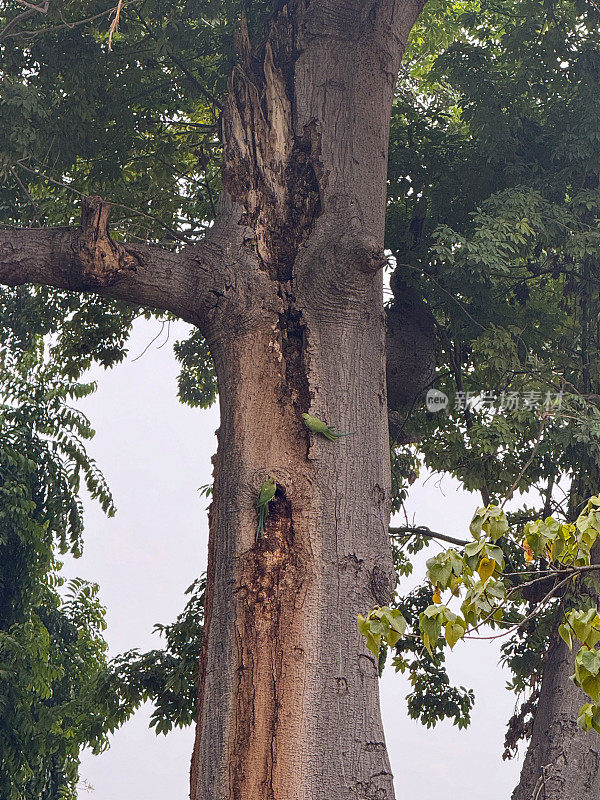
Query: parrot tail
x=262, y=513
x=334, y=435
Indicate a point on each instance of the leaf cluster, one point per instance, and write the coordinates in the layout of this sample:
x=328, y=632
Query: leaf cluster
x=493, y=597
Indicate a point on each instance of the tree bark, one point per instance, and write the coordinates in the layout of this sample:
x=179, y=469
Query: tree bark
x=289, y=694
x=86, y=259
x=289, y=705
x=562, y=761
x=287, y=289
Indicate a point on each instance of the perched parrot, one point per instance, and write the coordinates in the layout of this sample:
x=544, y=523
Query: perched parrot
x=266, y=494
x=317, y=425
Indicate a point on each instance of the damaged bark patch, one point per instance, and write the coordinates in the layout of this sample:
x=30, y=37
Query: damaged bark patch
x=293, y=349
x=271, y=169
x=99, y=258
x=270, y=580
x=304, y=201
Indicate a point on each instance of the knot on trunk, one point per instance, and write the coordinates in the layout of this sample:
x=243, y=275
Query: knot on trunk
x=100, y=259
x=358, y=249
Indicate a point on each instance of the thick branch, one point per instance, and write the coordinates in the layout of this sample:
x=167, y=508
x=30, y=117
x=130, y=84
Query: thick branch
x=87, y=259
x=410, y=348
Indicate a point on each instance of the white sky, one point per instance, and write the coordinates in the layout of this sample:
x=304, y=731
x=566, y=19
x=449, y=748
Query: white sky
x=155, y=453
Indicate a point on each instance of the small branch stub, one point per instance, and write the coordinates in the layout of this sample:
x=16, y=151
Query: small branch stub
x=100, y=258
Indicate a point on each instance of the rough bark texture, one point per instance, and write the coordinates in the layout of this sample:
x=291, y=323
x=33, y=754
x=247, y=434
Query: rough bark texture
x=287, y=288
x=410, y=336
x=562, y=761
x=289, y=697
x=410, y=362
x=87, y=259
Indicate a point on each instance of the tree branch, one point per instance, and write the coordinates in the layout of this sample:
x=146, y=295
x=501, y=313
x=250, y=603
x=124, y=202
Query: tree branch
x=87, y=259
x=43, y=8
x=32, y=8
x=529, y=461
x=421, y=530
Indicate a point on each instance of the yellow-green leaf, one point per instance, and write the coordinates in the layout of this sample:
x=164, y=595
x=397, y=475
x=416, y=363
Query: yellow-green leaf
x=486, y=568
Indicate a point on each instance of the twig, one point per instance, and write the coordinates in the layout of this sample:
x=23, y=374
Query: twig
x=26, y=193
x=114, y=25
x=179, y=63
x=540, y=606
x=14, y=22
x=31, y=10
x=5, y=33
x=421, y=530
x=192, y=78
x=454, y=299
x=43, y=9
x=150, y=343
x=167, y=337
x=173, y=233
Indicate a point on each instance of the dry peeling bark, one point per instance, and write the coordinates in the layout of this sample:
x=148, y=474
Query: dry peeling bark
x=102, y=259
x=287, y=289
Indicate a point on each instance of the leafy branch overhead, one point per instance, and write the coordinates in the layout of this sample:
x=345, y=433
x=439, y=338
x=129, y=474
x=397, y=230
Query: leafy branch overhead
x=549, y=560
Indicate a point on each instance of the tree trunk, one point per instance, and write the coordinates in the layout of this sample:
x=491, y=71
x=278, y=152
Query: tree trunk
x=562, y=761
x=287, y=289
x=289, y=695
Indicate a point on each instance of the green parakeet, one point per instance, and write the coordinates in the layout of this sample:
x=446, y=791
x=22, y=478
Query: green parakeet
x=266, y=494
x=317, y=425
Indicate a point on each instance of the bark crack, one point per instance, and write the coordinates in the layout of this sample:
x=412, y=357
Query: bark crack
x=271, y=170
x=272, y=574
x=293, y=349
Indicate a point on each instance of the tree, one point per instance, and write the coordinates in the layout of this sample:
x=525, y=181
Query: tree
x=59, y=692
x=286, y=288
x=508, y=164
x=489, y=199
x=51, y=646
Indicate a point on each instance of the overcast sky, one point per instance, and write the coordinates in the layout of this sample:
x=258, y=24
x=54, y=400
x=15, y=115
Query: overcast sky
x=156, y=453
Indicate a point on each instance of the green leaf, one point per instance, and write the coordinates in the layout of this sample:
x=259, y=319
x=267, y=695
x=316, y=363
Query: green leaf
x=564, y=631
x=395, y=619
x=586, y=715
x=454, y=630
x=474, y=548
